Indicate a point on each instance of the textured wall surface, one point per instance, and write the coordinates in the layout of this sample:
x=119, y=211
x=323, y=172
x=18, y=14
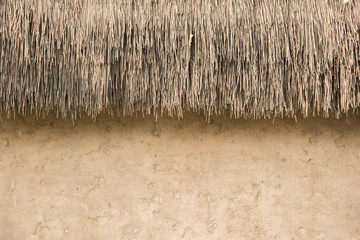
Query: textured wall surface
x=134, y=179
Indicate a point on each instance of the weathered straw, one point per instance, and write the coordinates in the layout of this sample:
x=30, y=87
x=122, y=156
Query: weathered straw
x=255, y=58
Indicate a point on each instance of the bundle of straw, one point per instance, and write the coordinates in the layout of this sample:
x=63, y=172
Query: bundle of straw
x=253, y=58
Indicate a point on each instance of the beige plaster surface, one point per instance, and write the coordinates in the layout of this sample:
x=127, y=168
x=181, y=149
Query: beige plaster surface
x=134, y=179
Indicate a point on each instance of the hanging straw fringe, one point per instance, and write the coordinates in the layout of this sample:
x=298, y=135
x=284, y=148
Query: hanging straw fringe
x=257, y=58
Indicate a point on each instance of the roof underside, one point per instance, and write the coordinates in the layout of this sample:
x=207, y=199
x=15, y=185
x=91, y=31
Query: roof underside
x=254, y=58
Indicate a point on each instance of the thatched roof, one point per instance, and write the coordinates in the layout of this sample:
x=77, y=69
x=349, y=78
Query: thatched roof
x=254, y=58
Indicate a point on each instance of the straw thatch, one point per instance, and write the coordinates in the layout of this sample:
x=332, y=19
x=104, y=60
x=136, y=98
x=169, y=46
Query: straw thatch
x=255, y=58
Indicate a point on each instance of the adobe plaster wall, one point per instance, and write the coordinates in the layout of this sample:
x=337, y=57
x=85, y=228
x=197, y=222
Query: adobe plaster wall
x=130, y=179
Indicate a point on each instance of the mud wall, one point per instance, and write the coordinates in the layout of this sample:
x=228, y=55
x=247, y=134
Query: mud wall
x=134, y=179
